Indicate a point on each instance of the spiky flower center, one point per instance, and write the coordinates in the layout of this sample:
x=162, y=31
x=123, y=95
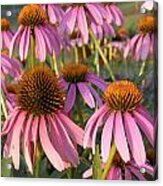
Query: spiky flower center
x=5, y=24
x=122, y=96
x=147, y=24
x=32, y=15
x=38, y=92
x=74, y=73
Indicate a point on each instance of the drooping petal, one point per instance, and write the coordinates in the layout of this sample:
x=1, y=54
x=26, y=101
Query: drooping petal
x=145, y=47
x=87, y=173
x=86, y=94
x=120, y=137
x=72, y=20
x=94, y=132
x=40, y=48
x=48, y=148
x=14, y=40
x=138, y=47
x=91, y=124
x=107, y=137
x=75, y=132
x=15, y=141
x=146, y=126
x=82, y=24
x=96, y=95
x=95, y=13
x=135, y=139
x=26, y=144
x=24, y=43
x=70, y=151
x=71, y=97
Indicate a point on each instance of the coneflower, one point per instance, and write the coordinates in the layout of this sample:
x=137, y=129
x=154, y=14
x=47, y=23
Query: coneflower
x=35, y=30
x=77, y=77
x=38, y=119
x=122, y=116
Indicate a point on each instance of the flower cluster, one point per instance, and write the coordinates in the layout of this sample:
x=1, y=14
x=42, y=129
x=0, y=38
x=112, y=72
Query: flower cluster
x=65, y=91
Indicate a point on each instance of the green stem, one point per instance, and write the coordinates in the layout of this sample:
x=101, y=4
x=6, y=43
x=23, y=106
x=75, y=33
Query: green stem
x=32, y=60
x=76, y=55
x=84, y=52
x=54, y=64
x=96, y=61
x=102, y=55
x=3, y=106
x=38, y=162
x=109, y=161
x=142, y=69
x=79, y=110
x=105, y=44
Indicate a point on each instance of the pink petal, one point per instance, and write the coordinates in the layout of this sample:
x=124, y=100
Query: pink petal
x=15, y=141
x=69, y=148
x=14, y=40
x=95, y=13
x=107, y=137
x=145, y=47
x=135, y=140
x=48, y=148
x=26, y=144
x=146, y=126
x=87, y=173
x=82, y=24
x=120, y=138
x=52, y=16
x=138, y=47
x=94, y=133
x=137, y=173
x=75, y=132
x=24, y=43
x=72, y=20
x=40, y=48
x=86, y=94
x=91, y=124
x=70, y=99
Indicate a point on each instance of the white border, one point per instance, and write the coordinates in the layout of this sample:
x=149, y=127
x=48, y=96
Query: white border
x=53, y=182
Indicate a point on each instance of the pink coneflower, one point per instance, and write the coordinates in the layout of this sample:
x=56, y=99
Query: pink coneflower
x=122, y=115
x=125, y=171
x=6, y=33
x=55, y=13
x=76, y=77
x=115, y=14
x=142, y=43
x=38, y=119
x=33, y=24
x=78, y=18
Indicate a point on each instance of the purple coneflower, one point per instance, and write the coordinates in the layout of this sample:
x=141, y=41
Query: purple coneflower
x=76, y=77
x=115, y=15
x=55, y=13
x=6, y=33
x=142, y=43
x=122, y=115
x=148, y=5
x=33, y=24
x=131, y=170
x=38, y=119
x=78, y=18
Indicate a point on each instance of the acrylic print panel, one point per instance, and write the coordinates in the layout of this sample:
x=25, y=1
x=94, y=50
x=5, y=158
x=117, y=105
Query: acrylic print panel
x=79, y=91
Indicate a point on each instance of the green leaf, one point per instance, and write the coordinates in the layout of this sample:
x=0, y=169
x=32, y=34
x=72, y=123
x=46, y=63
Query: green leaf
x=6, y=167
x=97, y=164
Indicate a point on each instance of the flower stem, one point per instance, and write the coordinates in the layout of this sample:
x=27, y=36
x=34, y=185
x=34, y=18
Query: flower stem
x=142, y=69
x=32, y=52
x=3, y=106
x=38, y=162
x=54, y=64
x=79, y=110
x=102, y=55
x=109, y=161
x=84, y=52
x=76, y=55
x=96, y=61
